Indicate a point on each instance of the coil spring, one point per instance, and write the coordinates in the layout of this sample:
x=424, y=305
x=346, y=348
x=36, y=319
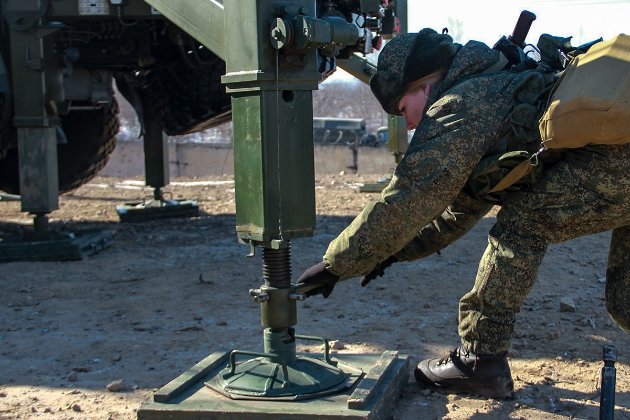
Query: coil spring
x=277, y=266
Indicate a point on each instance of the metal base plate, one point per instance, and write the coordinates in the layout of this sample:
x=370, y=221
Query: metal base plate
x=375, y=187
x=372, y=397
x=72, y=247
x=154, y=210
x=263, y=379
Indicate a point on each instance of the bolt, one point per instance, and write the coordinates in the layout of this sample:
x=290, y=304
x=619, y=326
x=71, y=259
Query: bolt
x=258, y=295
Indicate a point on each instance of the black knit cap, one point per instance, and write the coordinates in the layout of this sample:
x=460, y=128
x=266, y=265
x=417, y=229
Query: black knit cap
x=407, y=58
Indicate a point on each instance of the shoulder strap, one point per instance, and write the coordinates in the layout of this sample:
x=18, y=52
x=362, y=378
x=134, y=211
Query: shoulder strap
x=519, y=171
x=498, y=66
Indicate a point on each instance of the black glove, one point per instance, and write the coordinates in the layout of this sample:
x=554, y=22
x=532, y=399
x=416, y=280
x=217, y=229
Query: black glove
x=318, y=275
x=378, y=271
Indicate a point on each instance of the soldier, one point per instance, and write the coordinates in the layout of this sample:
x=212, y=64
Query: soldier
x=474, y=122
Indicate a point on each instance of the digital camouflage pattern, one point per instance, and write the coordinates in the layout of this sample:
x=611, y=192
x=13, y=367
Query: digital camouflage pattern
x=618, y=278
x=434, y=197
x=407, y=58
x=468, y=119
x=586, y=192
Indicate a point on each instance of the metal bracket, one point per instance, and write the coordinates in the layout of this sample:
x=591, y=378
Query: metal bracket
x=21, y=15
x=36, y=121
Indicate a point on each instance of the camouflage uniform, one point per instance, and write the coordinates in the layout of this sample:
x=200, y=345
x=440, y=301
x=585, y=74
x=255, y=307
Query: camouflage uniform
x=440, y=190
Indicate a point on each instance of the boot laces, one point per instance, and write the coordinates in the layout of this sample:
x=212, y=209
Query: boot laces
x=456, y=353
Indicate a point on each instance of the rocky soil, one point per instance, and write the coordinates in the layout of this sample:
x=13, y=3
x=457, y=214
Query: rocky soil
x=93, y=339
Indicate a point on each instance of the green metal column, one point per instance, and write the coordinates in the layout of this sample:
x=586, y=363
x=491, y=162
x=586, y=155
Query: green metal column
x=271, y=70
x=156, y=164
x=396, y=127
x=34, y=114
x=272, y=113
x=37, y=154
x=397, y=140
x=274, y=170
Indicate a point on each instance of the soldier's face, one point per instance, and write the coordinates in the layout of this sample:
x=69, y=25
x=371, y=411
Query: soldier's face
x=412, y=105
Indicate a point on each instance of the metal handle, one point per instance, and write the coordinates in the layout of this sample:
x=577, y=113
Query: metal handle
x=232, y=365
x=326, y=346
x=521, y=29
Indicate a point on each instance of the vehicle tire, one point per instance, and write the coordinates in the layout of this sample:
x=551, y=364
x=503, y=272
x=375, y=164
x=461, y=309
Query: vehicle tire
x=188, y=99
x=91, y=139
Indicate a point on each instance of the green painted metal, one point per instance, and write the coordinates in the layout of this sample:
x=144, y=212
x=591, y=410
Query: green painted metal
x=37, y=139
x=252, y=63
x=154, y=209
x=279, y=373
x=359, y=66
x=189, y=378
x=202, y=19
x=23, y=14
x=156, y=164
x=30, y=54
x=9, y=197
x=275, y=202
x=273, y=135
x=263, y=378
x=397, y=143
x=368, y=386
x=279, y=310
x=274, y=165
x=39, y=185
x=54, y=246
x=189, y=396
x=397, y=140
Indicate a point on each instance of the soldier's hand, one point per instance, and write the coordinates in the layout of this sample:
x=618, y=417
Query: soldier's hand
x=378, y=271
x=318, y=276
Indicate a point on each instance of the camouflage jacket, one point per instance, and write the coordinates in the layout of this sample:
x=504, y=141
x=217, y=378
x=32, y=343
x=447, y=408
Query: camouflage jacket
x=439, y=190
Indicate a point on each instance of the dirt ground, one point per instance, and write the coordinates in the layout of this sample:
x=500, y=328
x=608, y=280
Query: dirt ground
x=168, y=293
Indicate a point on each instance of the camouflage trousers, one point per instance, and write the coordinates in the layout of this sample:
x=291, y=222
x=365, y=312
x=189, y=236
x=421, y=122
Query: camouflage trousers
x=588, y=191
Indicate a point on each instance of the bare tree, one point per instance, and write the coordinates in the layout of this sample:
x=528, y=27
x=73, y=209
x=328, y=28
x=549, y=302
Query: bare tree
x=456, y=29
x=348, y=99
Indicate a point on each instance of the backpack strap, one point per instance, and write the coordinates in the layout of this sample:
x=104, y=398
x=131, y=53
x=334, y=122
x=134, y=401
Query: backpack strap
x=521, y=170
x=518, y=172
x=498, y=66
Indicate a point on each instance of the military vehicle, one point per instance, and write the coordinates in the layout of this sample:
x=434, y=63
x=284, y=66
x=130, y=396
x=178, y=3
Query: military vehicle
x=82, y=47
x=59, y=60
x=335, y=131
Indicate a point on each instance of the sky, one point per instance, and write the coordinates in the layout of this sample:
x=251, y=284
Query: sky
x=487, y=21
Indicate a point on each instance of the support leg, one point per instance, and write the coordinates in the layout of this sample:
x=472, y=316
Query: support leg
x=39, y=184
x=156, y=169
x=156, y=166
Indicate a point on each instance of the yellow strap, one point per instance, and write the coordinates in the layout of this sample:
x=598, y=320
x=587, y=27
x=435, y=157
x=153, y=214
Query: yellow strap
x=519, y=171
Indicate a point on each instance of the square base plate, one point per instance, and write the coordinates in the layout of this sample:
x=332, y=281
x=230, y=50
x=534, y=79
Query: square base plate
x=372, y=397
x=75, y=247
x=139, y=212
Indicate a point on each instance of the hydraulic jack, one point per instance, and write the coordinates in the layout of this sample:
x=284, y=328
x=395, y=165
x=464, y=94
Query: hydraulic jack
x=271, y=87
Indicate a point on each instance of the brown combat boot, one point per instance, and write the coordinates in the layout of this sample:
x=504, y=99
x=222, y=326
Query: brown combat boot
x=487, y=375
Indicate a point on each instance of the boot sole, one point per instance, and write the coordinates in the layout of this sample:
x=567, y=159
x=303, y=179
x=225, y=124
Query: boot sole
x=502, y=394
